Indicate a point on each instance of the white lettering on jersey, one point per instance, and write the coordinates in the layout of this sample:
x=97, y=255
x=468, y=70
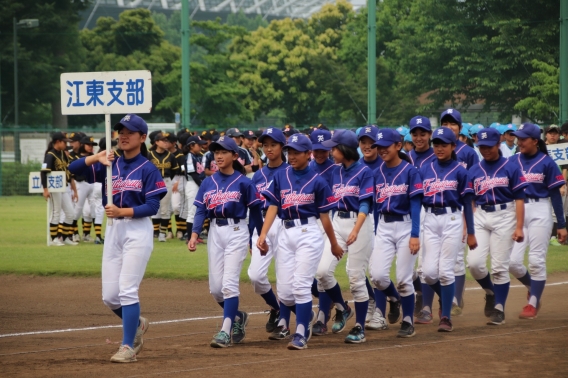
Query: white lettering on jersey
x=483, y=184
x=534, y=177
x=385, y=191
x=121, y=185
x=214, y=198
x=339, y=191
x=295, y=199
x=433, y=186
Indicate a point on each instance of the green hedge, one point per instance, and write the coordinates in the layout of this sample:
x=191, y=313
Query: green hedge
x=15, y=178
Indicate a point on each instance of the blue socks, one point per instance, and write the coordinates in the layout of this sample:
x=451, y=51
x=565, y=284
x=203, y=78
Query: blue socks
x=448, y=292
x=417, y=285
x=526, y=280
x=303, y=315
x=231, y=308
x=487, y=285
x=407, y=308
x=391, y=292
x=315, y=291
x=271, y=300
x=118, y=312
x=130, y=317
x=369, y=289
x=335, y=295
x=437, y=288
x=427, y=296
x=324, y=305
x=361, y=312
x=381, y=301
x=284, y=314
x=501, y=293
x=537, y=287
x=460, y=284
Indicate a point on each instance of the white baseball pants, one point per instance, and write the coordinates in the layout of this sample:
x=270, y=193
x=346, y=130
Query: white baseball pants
x=494, y=231
x=127, y=249
x=61, y=208
x=227, y=248
x=84, y=190
x=299, y=253
x=537, y=229
x=179, y=196
x=258, y=268
x=191, y=189
x=94, y=208
x=165, y=210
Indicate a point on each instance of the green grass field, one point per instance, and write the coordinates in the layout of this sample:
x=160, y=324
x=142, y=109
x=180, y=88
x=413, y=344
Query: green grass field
x=23, y=250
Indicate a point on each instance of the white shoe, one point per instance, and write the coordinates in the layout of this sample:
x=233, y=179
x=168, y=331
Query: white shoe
x=56, y=243
x=140, y=331
x=370, y=310
x=170, y=235
x=162, y=237
x=76, y=238
x=377, y=322
x=87, y=238
x=179, y=235
x=124, y=354
x=68, y=241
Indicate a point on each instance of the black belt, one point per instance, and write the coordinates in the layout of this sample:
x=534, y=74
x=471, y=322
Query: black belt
x=344, y=214
x=492, y=208
x=528, y=199
x=389, y=218
x=289, y=223
x=441, y=210
x=225, y=221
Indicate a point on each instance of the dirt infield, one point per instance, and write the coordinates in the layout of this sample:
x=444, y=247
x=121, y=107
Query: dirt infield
x=43, y=323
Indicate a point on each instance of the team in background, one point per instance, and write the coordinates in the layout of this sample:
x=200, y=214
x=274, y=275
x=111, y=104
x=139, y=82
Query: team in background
x=308, y=199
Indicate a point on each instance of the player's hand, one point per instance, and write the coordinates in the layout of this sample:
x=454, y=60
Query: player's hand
x=414, y=245
x=112, y=211
x=175, y=187
x=562, y=234
x=192, y=243
x=337, y=251
x=262, y=245
x=46, y=194
x=471, y=242
x=352, y=237
x=518, y=235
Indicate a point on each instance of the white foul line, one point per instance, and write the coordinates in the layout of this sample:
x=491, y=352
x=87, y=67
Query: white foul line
x=188, y=319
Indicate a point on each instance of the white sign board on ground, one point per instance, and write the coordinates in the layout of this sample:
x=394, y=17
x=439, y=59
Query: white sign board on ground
x=558, y=153
x=32, y=150
x=117, y=92
x=56, y=182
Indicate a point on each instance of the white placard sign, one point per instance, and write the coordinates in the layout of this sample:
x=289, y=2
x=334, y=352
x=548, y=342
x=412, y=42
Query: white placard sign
x=115, y=92
x=32, y=150
x=558, y=153
x=56, y=182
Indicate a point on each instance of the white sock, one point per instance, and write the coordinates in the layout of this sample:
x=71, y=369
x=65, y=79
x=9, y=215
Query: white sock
x=339, y=307
x=533, y=301
x=427, y=309
x=489, y=292
x=455, y=301
x=380, y=312
x=301, y=330
x=321, y=316
x=227, y=325
x=392, y=299
x=499, y=307
x=282, y=322
x=407, y=319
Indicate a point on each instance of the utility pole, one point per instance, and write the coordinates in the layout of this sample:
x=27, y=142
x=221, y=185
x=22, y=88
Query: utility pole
x=372, y=61
x=185, y=94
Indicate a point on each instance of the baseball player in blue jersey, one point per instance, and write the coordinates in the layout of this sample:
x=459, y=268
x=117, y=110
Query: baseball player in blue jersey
x=321, y=163
x=447, y=190
x=397, y=217
x=224, y=198
x=467, y=157
x=498, y=186
x=194, y=176
x=137, y=188
x=273, y=141
x=299, y=196
x=421, y=132
x=352, y=193
x=544, y=180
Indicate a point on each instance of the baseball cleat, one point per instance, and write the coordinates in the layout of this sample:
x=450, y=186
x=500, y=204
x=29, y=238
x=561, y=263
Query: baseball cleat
x=221, y=340
x=239, y=327
x=377, y=323
x=310, y=329
x=538, y=305
x=496, y=318
x=272, y=322
x=418, y=304
x=280, y=333
x=179, y=235
x=87, y=238
x=140, y=331
x=406, y=330
x=124, y=354
x=445, y=325
x=370, y=310
x=170, y=235
x=356, y=336
x=554, y=242
x=99, y=240
x=319, y=329
x=68, y=241
x=529, y=312
x=162, y=237
x=341, y=318
x=456, y=310
x=424, y=317
x=489, y=305
x=56, y=243
x=394, y=314
x=76, y=238
x=298, y=342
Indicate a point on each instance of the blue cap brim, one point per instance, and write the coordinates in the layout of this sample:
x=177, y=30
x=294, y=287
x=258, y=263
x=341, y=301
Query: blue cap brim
x=120, y=125
x=220, y=146
x=421, y=127
x=487, y=143
x=368, y=136
x=329, y=143
x=443, y=139
x=383, y=143
x=319, y=146
x=296, y=147
x=521, y=134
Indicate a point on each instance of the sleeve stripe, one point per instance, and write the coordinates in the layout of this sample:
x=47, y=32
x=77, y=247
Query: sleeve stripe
x=156, y=190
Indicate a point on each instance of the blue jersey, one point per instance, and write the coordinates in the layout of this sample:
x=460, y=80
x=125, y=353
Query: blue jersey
x=541, y=174
x=420, y=158
x=227, y=196
x=496, y=182
x=444, y=184
x=195, y=164
x=263, y=178
x=133, y=180
x=372, y=164
x=209, y=161
x=350, y=186
x=298, y=194
x=467, y=156
x=394, y=187
x=325, y=170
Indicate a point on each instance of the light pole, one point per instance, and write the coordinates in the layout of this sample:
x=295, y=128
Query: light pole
x=23, y=24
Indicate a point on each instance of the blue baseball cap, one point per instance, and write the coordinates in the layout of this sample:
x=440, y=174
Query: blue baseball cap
x=402, y=130
x=510, y=127
x=299, y=142
x=408, y=138
x=475, y=129
x=445, y=134
x=387, y=137
x=317, y=137
x=274, y=133
x=488, y=137
x=224, y=143
x=368, y=131
x=344, y=137
x=453, y=114
x=420, y=122
x=495, y=125
x=465, y=131
x=528, y=130
x=133, y=123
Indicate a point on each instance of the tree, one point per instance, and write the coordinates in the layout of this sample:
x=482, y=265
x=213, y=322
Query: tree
x=542, y=104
